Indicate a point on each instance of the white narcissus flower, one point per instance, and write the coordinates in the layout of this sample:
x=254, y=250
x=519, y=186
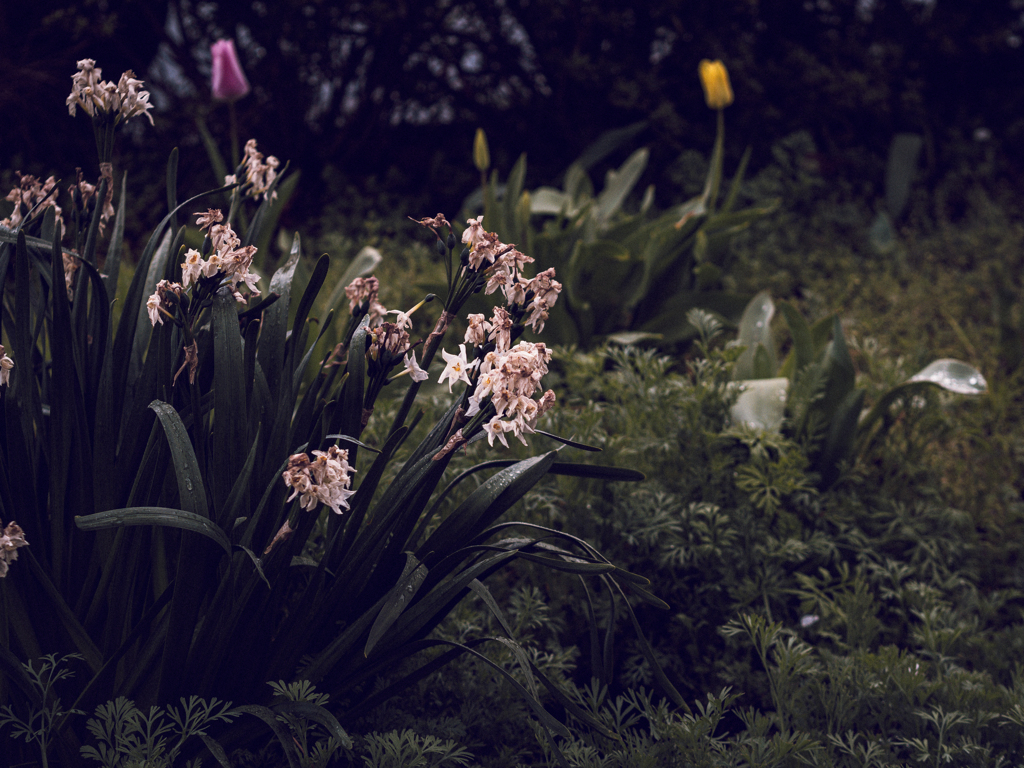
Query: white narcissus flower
x=11, y=539
x=153, y=308
x=496, y=428
x=415, y=372
x=6, y=364
x=457, y=368
x=192, y=267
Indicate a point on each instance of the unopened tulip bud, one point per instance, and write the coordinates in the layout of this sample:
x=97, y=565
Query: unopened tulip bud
x=228, y=80
x=481, y=155
x=715, y=80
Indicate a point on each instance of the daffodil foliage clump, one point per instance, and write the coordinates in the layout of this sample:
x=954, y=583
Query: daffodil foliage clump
x=189, y=504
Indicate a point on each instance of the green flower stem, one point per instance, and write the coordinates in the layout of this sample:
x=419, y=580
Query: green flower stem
x=235, y=156
x=429, y=350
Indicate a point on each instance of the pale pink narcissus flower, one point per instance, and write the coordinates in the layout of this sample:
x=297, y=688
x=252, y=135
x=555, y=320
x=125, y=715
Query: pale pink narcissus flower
x=228, y=81
x=6, y=364
x=12, y=538
x=457, y=368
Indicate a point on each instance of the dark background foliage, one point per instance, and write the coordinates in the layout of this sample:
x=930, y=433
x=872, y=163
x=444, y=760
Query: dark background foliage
x=395, y=89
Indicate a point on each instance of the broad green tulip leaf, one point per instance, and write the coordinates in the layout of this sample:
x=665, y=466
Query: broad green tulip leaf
x=513, y=191
x=761, y=404
x=618, y=185
x=881, y=234
x=803, y=346
x=628, y=338
x=608, y=142
x=549, y=201
x=755, y=333
x=900, y=171
x=737, y=181
x=706, y=275
x=764, y=364
x=840, y=438
x=953, y=376
x=839, y=373
x=173, y=518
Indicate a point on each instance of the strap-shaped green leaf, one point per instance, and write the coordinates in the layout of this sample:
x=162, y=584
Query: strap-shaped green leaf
x=401, y=594
x=60, y=609
x=484, y=506
x=216, y=750
x=190, y=481
x=275, y=320
x=352, y=395
x=230, y=431
x=318, y=714
x=316, y=280
x=270, y=718
x=166, y=516
x=569, y=566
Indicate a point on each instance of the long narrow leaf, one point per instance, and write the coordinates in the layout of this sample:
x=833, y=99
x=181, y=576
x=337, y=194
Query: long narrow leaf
x=165, y=516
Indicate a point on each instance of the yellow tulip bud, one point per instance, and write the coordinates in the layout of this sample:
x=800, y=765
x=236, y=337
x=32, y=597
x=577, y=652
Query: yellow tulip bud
x=481, y=156
x=715, y=80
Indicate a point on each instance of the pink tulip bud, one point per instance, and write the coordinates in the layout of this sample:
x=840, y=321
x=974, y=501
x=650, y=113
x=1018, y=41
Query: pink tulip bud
x=229, y=83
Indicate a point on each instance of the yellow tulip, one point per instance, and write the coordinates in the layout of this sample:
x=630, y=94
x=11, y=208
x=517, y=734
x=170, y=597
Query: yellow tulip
x=481, y=157
x=715, y=79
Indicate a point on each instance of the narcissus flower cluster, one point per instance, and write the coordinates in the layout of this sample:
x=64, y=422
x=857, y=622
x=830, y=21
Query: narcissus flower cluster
x=124, y=100
x=260, y=172
x=326, y=479
x=12, y=538
x=26, y=195
x=362, y=299
x=503, y=265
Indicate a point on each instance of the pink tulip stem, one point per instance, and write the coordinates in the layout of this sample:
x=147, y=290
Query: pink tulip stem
x=235, y=156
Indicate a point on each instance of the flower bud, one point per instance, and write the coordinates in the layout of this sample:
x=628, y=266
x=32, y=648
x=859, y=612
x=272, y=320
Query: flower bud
x=228, y=80
x=714, y=78
x=481, y=155
x=451, y=240
x=439, y=246
x=464, y=258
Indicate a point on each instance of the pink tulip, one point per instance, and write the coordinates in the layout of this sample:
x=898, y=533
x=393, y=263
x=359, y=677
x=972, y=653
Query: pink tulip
x=229, y=83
